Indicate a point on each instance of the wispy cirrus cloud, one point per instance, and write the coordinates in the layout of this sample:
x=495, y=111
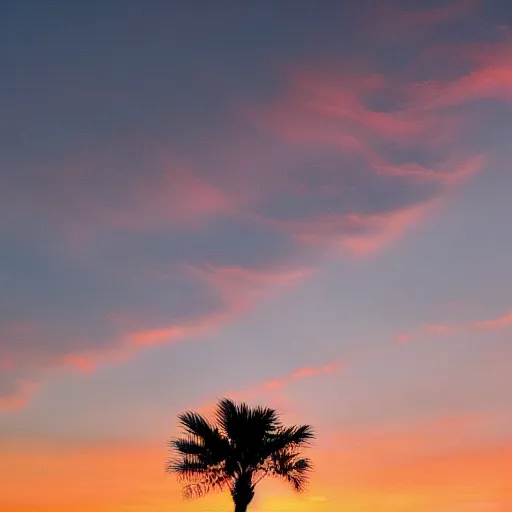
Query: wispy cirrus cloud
x=118, y=247
x=489, y=76
x=280, y=383
x=272, y=390
x=235, y=291
x=495, y=323
x=358, y=139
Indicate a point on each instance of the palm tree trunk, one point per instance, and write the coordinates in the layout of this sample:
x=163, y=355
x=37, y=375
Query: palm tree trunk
x=242, y=502
x=243, y=492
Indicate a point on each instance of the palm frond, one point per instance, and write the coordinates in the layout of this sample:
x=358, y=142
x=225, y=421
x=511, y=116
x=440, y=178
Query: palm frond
x=228, y=416
x=286, y=438
x=297, y=435
x=188, y=446
x=187, y=467
x=202, y=439
x=201, y=487
x=248, y=430
x=292, y=467
x=196, y=425
x=294, y=436
x=267, y=418
x=234, y=419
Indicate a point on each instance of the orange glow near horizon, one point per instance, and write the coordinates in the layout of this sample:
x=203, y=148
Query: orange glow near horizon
x=387, y=471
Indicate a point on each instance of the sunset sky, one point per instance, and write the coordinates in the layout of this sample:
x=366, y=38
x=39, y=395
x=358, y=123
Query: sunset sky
x=305, y=204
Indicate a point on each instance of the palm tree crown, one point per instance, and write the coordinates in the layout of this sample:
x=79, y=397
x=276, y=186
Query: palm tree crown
x=236, y=450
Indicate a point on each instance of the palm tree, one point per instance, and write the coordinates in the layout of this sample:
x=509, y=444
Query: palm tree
x=235, y=451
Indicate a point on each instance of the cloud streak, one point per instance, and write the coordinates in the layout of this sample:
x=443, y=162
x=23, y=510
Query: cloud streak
x=500, y=322
x=279, y=384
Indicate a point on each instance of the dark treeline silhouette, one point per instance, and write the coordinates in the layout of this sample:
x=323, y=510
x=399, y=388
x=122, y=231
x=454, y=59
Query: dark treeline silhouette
x=235, y=450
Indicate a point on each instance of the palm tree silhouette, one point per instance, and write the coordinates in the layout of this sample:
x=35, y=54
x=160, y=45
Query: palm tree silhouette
x=237, y=450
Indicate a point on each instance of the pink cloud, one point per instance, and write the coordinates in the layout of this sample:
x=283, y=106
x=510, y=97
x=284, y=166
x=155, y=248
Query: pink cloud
x=237, y=288
x=460, y=170
x=384, y=229
x=357, y=234
x=273, y=389
x=329, y=109
x=489, y=77
x=500, y=322
x=494, y=323
x=274, y=384
x=151, y=337
x=323, y=110
x=311, y=371
x=82, y=363
x=178, y=195
x=240, y=287
x=201, y=325
x=82, y=199
x=305, y=372
x=403, y=337
x=20, y=397
x=493, y=81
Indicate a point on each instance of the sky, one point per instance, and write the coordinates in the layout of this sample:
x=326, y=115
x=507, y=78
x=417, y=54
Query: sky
x=299, y=204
